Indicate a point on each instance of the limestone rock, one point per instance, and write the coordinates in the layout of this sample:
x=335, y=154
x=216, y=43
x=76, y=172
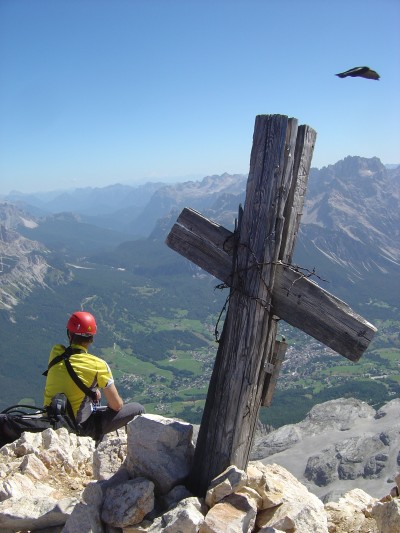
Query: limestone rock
x=25, y=514
x=15, y=486
x=277, y=441
x=363, y=456
x=18, y=485
x=336, y=414
x=40, y=475
x=86, y=515
x=85, y=518
x=351, y=513
x=387, y=516
x=269, y=530
x=160, y=449
x=271, y=496
x=299, y=508
x=186, y=516
x=174, y=496
x=109, y=455
x=127, y=503
x=231, y=480
x=322, y=468
x=235, y=513
x=27, y=443
x=33, y=466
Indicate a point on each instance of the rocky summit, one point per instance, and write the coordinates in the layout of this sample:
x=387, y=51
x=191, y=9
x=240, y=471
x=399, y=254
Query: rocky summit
x=134, y=482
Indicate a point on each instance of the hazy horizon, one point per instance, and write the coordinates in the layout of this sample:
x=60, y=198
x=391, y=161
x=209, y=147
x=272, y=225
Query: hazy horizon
x=165, y=180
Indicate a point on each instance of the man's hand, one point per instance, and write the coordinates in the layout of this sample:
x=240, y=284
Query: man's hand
x=114, y=400
x=98, y=395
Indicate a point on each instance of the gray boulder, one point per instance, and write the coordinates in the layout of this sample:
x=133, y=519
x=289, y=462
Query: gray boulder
x=160, y=449
x=128, y=503
x=25, y=514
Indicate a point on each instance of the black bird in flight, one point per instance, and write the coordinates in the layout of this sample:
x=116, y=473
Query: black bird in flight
x=360, y=72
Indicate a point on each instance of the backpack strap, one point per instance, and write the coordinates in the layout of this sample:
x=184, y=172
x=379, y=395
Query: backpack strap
x=74, y=376
x=67, y=353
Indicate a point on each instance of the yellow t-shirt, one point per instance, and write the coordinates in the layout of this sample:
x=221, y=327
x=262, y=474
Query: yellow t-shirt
x=93, y=371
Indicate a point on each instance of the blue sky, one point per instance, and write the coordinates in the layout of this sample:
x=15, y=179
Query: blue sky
x=95, y=92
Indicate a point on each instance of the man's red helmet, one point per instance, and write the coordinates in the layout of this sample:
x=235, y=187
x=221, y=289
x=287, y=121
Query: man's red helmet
x=82, y=323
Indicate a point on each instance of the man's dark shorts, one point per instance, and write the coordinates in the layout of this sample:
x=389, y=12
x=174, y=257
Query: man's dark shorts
x=105, y=421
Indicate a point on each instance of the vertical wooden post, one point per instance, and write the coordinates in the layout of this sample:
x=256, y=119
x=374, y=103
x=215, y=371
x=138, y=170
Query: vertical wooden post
x=236, y=386
x=292, y=215
x=272, y=369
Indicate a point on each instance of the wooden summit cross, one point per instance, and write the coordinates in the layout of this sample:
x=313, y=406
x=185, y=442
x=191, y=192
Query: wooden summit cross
x=255, y=262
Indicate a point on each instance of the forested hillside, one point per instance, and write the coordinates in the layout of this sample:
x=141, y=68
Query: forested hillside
x=158, y=314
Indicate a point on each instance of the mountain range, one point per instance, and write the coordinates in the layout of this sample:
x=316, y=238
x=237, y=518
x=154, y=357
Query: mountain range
x=350, y=227
x=103, y=249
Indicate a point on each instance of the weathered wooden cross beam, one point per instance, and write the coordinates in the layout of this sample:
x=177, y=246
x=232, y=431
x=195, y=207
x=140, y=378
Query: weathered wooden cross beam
x=255, y=262
x=295, y=297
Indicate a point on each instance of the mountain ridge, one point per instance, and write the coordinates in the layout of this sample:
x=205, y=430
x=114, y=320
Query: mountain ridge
x=157, y=312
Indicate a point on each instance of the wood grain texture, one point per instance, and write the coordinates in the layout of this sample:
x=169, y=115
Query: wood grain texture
x=272, y=374
x=305, y=305
x=234, y=395
x=295, y=298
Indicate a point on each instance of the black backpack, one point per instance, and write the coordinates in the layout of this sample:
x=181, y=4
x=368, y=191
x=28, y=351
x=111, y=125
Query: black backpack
x=19, y=418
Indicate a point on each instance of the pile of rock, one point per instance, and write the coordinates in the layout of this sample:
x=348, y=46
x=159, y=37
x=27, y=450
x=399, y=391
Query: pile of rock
x=134, y=483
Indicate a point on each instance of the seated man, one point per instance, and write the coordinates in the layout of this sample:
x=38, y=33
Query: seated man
x=82, y=384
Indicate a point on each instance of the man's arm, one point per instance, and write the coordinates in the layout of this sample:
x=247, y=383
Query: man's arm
x=114, y=400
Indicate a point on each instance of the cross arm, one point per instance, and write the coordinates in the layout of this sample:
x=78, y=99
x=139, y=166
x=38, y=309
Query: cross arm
x=295, y=298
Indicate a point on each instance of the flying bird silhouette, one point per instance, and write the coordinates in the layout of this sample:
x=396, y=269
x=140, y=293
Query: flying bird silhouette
x=360, y=72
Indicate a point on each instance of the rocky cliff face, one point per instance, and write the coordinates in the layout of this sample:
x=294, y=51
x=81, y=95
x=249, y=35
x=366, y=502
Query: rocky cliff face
x=24, y=263
x=200, y=195
x=352, y=218
x=135, y=483
x=341, y=445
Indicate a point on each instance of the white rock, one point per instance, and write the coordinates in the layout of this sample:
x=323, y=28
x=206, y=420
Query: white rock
x=160, y=449
x=231, y=480
x=144, y=527
x=82, y=449
x=128, y=503
x=27, y=443
x=84, y=518
x=258, y=481
x=269, y=530
x=93, y=494
x=33, y=466
x=236, y=513
x=49, y=439
x=350, y=513
x=34, y=513
x=109, y=456
x=387, y=516
x=11, y=465
x=16, y=486
x=185, y=516
x=299, y=508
